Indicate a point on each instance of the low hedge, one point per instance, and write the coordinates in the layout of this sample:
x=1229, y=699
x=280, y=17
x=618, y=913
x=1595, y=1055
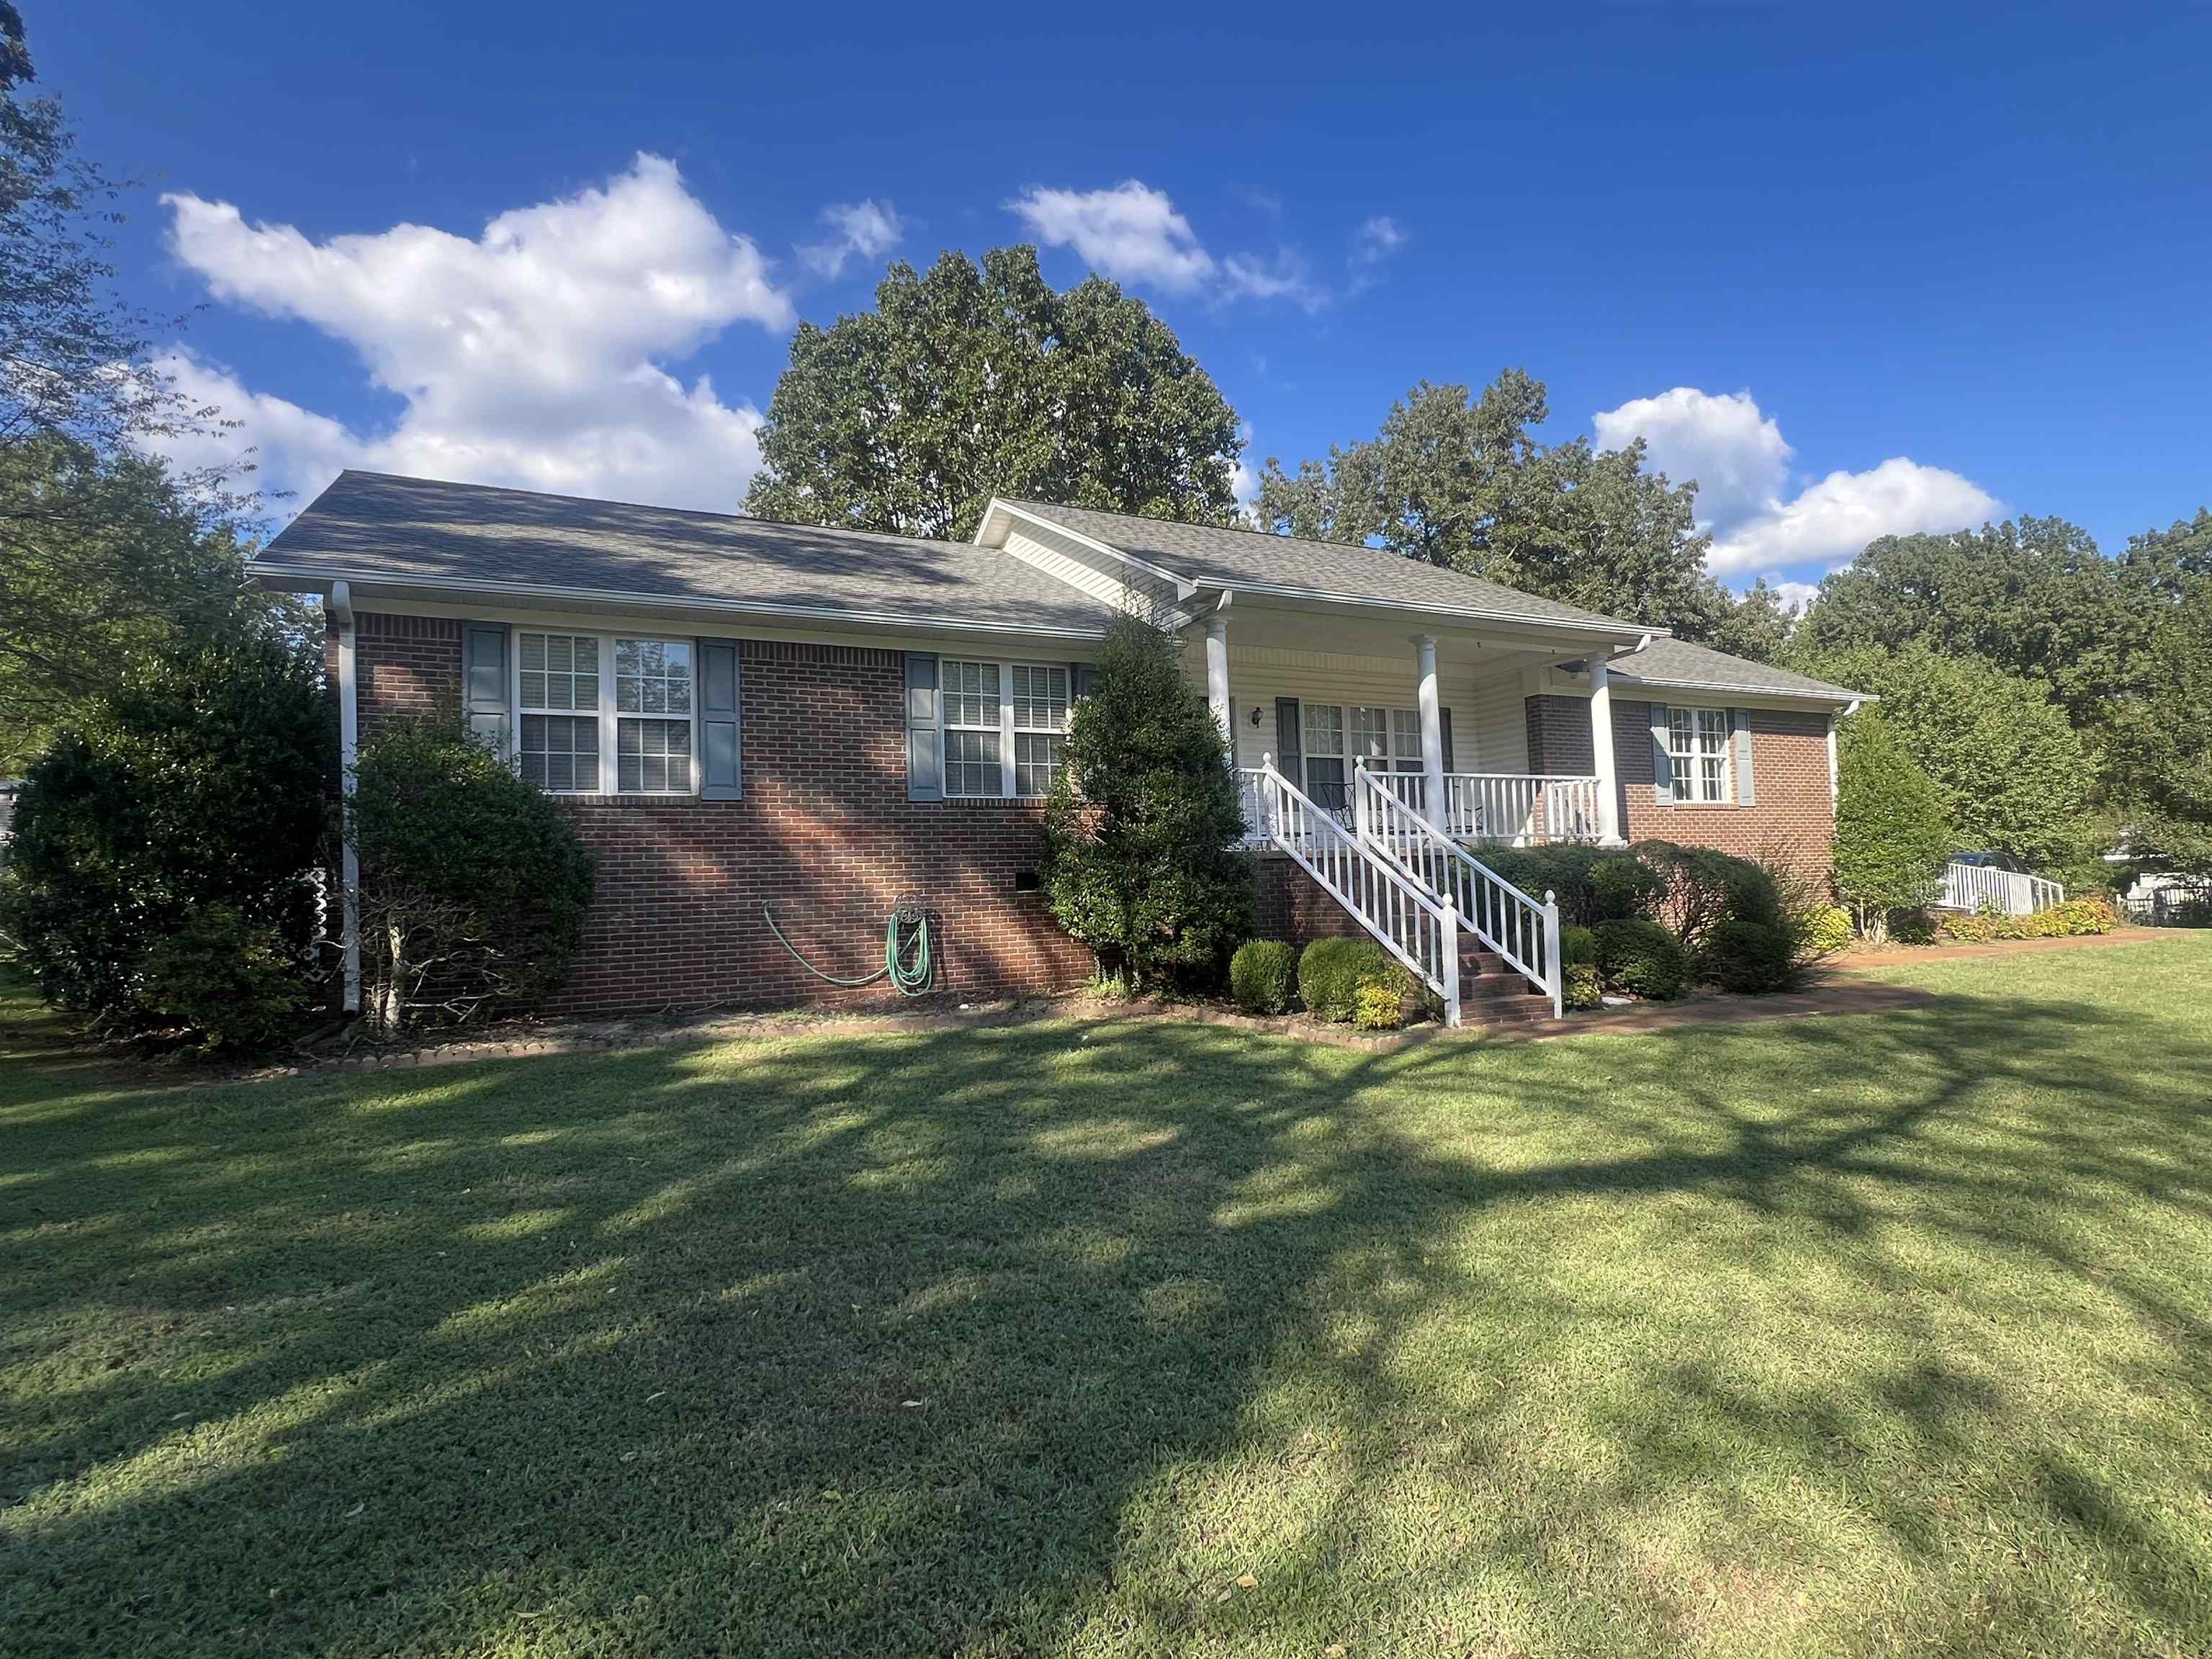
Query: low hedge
x=1641, y=958
x=1578, y=946
x=1329, y=972
x=2072, y=918
x=1703, y=887
x=1263, y=975
x=1751, y=958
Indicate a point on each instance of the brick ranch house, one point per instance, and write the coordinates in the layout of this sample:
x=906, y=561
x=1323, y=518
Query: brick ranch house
x=747, y=714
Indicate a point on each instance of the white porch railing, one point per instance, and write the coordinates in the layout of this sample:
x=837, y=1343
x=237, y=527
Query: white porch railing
x=1521, y=807
x=1974, y=887
x=1405, y=916
x=1521, y=931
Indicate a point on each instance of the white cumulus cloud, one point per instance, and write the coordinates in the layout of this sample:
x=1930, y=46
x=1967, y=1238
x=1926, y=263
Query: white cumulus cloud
x=1135, y=233
x=861, y=230
x=531, y=356
x=1131, y=232
x=1737, y=454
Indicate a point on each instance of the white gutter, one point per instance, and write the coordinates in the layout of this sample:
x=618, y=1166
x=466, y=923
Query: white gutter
x=341, y=605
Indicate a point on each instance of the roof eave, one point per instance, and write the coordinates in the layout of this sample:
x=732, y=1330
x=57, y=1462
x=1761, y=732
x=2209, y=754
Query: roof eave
x=1794, y=693
x=297, y=578
x=1184, y=587
x=1586, y=628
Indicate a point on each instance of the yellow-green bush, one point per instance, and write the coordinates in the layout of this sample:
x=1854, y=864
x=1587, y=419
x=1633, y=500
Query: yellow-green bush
x=1582, y=987
x=1377, y=1005
x=1329, y=973
x=1825, y=931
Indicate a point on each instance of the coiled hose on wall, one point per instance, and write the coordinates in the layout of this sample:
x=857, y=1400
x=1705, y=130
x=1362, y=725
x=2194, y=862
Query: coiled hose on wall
x=910, y=967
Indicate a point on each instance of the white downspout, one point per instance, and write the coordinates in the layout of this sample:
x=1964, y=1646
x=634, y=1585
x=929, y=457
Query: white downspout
x=349, y=745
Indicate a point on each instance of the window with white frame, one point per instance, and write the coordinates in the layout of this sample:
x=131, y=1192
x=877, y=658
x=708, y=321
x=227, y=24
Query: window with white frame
x=1337, y=738
x=602, y=713
x=1005, y=725
x=1039, y=725
x=653, y=717
x=558, y=702
x=975, y=762
x=1698, y=755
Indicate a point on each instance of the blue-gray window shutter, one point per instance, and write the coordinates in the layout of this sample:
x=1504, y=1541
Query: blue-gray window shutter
x=485, y=680
x=1662, y=766
x=925, y=737
x=1085, y=677
x=1290, y=743
x=721, y=737
x=1746, y=795
x=1443, y=722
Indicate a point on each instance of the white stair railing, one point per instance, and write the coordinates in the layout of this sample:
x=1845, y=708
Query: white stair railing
x=1521, y=931
x=1516, y=806
x=1414, y=923
x=1974, y=887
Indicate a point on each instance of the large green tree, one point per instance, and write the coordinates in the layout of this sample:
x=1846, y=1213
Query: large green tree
x=2011, y=771
x=2034, y=596
x=2159, y=761
x=976, y=379
x=1462, y=481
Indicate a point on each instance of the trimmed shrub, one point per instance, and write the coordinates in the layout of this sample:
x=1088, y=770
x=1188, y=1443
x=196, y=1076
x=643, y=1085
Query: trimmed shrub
x=1592, y=884
x=474, y=884
x=1377, y=1005
x=1750, y=958
x=1578, y=946
x=1142, y=858
x=1704, y=887
x=1582, y=987
x=1825, y=931
x=199, y=781
x=2074, y=917
x=1329, y=973
x=234, y=982
x=1910, y=926
x=1641, y=958
x=1263, y=975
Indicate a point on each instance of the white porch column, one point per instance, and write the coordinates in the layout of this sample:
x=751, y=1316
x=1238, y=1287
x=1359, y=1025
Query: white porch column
x=1217, y=677
x=1609, y=791
x=1433, y=731
x=341, y=605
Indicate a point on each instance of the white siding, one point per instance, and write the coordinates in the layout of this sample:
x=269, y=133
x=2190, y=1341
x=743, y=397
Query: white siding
x=1257, y=676
x=1079, y=567
x=1496, y=728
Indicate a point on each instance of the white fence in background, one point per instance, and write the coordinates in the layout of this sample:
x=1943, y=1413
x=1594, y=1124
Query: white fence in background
x=1976, y=887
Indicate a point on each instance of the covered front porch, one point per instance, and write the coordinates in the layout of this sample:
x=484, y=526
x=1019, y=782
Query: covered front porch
x=1434, y=706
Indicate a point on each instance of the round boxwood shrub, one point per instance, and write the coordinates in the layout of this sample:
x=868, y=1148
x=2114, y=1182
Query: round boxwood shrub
x=1748, y=957
x=1578, y=946
x=1641, y=958
x=1263, y=975
x=233, y=980
x=1592, y=884
x=1329, y=973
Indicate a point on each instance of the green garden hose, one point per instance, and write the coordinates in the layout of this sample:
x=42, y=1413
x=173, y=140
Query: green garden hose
x=911, y=970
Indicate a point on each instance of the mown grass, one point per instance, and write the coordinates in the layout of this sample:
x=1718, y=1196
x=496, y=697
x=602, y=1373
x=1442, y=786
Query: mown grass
x=1840, y=1336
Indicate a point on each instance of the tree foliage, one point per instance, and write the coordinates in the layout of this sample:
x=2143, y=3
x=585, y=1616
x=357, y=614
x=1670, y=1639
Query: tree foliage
x=1891, y=838
x=1759, y=626
x=2033, y=596
x=473, y=883
x=199, y=781
x=1462, y=482
x=972, y=380
x=2160, y=752
x=2012, y=773
x=103, y=561
x=1141, y=857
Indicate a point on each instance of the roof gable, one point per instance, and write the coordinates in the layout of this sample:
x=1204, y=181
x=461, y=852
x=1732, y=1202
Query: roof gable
x=1672, y=662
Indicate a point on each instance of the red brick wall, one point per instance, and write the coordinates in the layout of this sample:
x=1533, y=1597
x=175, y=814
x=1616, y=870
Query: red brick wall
x=825, y=835
x=1289, y=904
x=1795, y=814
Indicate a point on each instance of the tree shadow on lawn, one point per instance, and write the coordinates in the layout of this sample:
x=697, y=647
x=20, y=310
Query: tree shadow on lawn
x=1036, y=1339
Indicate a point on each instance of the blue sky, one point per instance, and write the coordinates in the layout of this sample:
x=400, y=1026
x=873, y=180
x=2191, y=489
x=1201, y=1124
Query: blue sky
x=1857, y=272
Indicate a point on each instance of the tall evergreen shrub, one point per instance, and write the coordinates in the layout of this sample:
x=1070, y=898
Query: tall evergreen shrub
x=1891, y=838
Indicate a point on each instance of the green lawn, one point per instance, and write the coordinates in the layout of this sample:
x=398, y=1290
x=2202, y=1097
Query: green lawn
x=1839, y=1336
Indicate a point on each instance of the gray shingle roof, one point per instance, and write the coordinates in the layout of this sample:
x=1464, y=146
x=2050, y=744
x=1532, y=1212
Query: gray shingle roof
x=1245, y=558
x=1677, y=662
x=373, y=526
